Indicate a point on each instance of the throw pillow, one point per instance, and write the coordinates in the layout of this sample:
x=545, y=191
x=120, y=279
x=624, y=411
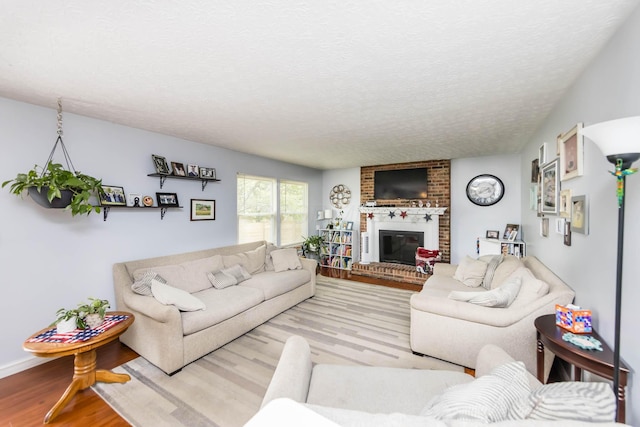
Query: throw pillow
x=486, y=399
x=492, y=265
x=238, y=272
x=221, y=279
x=142, y=286
x=532, y=288
x=499, y=297
x=581, y=401
x=285, y=259
x=268, y=262
x=508, y=265
x=470, y=271
x=168, y=295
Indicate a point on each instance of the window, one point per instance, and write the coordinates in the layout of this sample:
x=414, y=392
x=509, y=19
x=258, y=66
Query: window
x=261, y=201
x=294, y=221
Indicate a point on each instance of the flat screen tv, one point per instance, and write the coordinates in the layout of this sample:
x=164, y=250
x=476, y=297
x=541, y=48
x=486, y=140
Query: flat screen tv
x=400, y=184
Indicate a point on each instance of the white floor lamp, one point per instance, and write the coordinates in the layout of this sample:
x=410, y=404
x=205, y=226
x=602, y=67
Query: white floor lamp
x=619, y=141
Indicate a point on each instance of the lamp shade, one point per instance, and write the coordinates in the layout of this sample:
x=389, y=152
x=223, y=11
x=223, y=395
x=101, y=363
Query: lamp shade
x=616, y=138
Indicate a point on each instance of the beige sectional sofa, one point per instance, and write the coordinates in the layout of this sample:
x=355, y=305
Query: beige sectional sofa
x=455, y=330
x=169, y=337
x=502, y=394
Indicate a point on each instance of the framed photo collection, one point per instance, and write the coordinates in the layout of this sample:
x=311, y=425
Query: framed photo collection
x=167, y=199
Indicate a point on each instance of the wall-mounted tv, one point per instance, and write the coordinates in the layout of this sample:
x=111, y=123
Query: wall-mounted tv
x=400, y=184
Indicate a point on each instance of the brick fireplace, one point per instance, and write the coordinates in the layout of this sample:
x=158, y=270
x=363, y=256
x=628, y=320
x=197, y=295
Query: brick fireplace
x=404, y=214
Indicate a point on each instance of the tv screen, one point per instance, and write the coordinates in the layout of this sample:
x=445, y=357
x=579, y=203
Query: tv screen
x=400, y=184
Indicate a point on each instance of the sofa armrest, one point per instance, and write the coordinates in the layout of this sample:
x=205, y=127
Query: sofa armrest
x=292, y=376
x=150, y=307
x=491, y=356
x=442, y=269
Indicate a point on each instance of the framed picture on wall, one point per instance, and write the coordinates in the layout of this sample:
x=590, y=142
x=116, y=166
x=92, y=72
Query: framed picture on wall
x=579, y=215
x=550, y=186
x=161, y=164
x=112, y=196
x=203, y=210
x=542, y=154
x=565, y=203
x=571, y=146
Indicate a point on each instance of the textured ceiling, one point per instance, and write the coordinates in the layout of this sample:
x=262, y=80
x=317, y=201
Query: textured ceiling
x=327, y=84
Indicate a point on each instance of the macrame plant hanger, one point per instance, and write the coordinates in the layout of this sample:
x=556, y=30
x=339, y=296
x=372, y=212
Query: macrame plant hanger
x=59, y=141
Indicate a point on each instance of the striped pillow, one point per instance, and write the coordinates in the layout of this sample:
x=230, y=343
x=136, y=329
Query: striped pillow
x=491, y=269
x=592, y=402
x=221, y=280
x=486, y=399
x=142, y=286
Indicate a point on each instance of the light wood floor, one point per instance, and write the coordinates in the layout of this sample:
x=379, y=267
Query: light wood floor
x=26, y=397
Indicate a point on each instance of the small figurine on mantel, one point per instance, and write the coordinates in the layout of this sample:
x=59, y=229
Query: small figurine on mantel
x=420, y=203
x=428, y=204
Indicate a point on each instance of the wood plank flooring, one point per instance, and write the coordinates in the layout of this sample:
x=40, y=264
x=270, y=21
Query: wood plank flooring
x=26, y=397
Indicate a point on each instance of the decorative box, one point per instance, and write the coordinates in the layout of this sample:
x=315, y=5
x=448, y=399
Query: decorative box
x=573, y=318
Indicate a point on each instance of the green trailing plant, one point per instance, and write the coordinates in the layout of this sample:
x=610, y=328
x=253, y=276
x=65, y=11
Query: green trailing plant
x=56, y=179
x=94, y=306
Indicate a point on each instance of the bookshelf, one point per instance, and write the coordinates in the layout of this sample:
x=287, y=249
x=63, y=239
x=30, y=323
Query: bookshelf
x=337, y=248
x=500, y=246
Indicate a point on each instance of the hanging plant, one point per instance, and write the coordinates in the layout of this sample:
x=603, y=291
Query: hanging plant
x=56, y=187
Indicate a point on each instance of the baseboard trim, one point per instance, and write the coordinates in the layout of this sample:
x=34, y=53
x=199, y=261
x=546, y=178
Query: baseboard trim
x=23, y=365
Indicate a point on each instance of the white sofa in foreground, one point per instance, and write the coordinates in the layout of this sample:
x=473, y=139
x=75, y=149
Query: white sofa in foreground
x=502, y=394
x=214, y=308
x=455, y=329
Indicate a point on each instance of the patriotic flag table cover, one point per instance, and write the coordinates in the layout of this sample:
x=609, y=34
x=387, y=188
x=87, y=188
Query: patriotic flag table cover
x=79, y=335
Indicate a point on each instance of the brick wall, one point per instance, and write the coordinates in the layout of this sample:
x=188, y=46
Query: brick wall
x=438, y=187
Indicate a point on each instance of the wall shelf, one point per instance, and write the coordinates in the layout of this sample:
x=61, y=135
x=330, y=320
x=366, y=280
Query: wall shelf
x=163, y=209
x=163, y=178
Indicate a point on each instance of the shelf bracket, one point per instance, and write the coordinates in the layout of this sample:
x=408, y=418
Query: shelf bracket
x=105, y=212
x=162, y=212
x=204, y=184
x=162, y=180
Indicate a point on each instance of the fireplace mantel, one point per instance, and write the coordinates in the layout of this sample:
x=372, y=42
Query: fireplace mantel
x=400, y=218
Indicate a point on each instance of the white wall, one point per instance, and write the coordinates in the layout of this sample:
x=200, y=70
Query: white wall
x=51, y=260
x=608, y=89
x=469, y=221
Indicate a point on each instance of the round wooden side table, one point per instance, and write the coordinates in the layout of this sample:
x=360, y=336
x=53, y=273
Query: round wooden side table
x=84, y=371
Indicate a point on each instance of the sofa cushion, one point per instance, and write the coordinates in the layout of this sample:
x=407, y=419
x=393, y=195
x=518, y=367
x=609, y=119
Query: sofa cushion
x=582, y=401
x=222, y=279
x=143, y=285
x=222, y=304
x=252, y=261
x=168, y=295
x=285, y=259
x=531, y=289
x=273, y=284
x=487, y=399
x=190, y=276
x=379, y=389
x=509, y=264
x=500, y=297
x=471, y=271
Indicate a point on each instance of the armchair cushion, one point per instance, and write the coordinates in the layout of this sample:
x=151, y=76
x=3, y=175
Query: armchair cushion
x=471, y=272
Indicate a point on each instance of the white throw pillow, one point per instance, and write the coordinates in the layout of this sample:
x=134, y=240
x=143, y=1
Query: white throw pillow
x=509, y=264
x=168, y=295
x=532, y=288
x=221, y=279
x=285, y=259
x=268, y=262
x=501, y=297
x=238, y=272
x=470, y=272
x=492, y=265
x=580, y=401
x=487, y=399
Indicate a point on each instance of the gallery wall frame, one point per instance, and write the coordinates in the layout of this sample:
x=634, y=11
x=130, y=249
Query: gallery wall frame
x=565, y=203
x=550, y=188
x=571, y=148
x=579, y=214
x=542, y=154
x=203, y=210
